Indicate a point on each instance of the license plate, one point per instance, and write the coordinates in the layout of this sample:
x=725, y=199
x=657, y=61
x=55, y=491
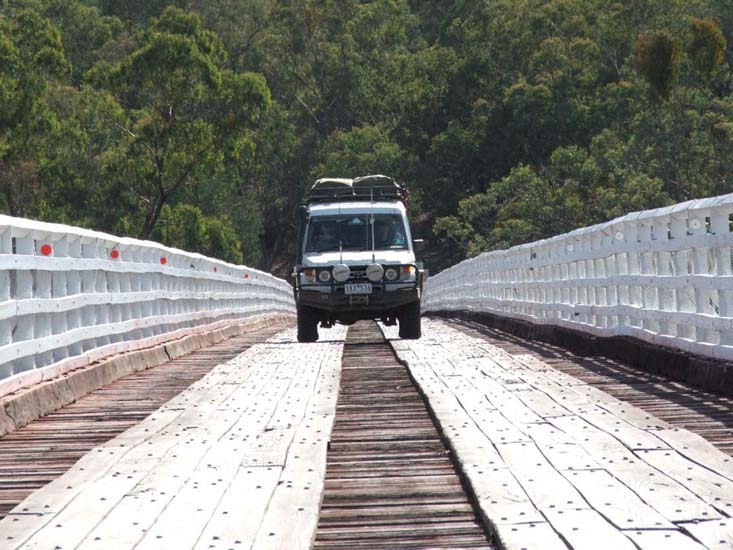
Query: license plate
x=360, y=288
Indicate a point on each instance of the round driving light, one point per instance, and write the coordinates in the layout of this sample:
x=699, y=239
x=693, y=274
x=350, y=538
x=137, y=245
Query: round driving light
x=374, y=272
x=324, y=275
x=341, y=273
x=390, y=273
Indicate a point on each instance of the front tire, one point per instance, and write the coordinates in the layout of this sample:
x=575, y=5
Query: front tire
x=409, y=318
x=307, y=324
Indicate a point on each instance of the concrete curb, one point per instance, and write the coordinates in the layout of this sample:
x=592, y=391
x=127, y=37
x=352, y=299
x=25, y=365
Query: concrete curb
x=28, y=404
x=712, y=375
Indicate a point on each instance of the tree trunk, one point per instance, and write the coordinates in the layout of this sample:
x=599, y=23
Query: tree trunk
x=270, y=255
x=151, y=219
x=8, y=190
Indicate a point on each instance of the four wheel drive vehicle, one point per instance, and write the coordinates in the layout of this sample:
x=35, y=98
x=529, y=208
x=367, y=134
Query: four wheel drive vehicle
x=356, y=257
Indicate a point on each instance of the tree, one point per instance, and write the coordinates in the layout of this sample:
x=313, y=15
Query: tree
x=706, y=48
x=186, y=115
x=83, y=29
x=31, y=57
x=359, y=152
x=657, y=56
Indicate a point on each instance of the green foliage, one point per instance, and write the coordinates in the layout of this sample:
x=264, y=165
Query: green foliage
x=706, y=48
x=136, y=12
x=224, y=242
x=202, y=123
x=186, y=227
x=657, y=57
x=31, y=59
x=182, y=226
x=186, y=114
x=84, y=31
x=360, y=151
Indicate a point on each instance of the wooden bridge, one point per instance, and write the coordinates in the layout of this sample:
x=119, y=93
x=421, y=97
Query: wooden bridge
x=465, y=438
x=569, y=393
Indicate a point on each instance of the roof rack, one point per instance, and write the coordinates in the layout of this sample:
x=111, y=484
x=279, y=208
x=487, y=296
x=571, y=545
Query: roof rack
x=364, y=188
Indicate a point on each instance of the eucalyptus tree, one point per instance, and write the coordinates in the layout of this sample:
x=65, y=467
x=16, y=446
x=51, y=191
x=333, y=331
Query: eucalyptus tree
x=31, y=58
x=186, y=115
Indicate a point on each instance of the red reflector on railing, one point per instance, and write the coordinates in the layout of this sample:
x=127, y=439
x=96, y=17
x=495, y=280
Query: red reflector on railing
x=163, y=260
x=114, y=254
x=46, y=250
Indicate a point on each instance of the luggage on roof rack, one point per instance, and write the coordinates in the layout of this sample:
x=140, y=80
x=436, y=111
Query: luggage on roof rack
x=373, y=187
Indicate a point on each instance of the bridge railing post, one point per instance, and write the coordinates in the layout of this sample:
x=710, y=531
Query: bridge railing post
x=69, y=296
x=663, y=275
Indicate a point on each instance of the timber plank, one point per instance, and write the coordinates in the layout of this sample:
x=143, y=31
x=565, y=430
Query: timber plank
x=668, y=497
x=698, y=449
x=709, y=486
x=238, y=515
x=529, y=536
x=185, y=465
x=654, y=539
x=717, y=534
x=588, y=529
x=586, y=454
x=389, y=481
x=615, y=501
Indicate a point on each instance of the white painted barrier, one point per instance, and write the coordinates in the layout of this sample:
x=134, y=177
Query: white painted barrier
x=69, y=296
x=661, y=275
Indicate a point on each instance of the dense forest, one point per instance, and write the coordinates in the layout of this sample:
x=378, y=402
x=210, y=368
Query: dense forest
x=200, y=124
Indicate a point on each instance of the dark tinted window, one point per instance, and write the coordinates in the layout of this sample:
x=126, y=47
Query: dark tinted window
x=354, y=233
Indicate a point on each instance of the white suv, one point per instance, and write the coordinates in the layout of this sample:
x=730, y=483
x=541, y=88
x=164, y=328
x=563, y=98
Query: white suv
x=356, y=257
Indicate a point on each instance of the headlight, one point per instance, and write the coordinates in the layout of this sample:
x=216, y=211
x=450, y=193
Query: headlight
x=324, y=275
x=390, y=273
x=308, y=276
x=374, y=272
x=341, y=273
x=408, y=273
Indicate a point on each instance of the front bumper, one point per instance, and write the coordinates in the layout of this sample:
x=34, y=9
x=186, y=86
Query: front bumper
x=386, y=298
x=379, y=301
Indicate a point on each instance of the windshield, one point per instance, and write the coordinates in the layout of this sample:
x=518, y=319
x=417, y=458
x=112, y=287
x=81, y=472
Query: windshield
x=354, y=233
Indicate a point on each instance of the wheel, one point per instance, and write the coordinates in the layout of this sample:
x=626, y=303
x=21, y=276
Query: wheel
x=409, y=319
x=307, y=324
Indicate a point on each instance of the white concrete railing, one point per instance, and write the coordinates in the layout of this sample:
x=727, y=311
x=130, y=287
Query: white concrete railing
x=661, y=275
x=70, y=296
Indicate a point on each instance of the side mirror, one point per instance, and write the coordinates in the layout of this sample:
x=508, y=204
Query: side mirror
x=303, y=213
x=418, y=245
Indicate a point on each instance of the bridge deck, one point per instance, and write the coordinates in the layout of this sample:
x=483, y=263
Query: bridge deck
x=238, y=460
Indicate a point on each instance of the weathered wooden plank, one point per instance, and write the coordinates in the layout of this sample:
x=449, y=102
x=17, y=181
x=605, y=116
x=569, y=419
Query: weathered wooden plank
x=499, y=429
x=656, y=539
x=542, y=404
x=615, y=501
x=632, y=437
x=716, y=534
x=587, y=529
x=70, y=525
x=239, y=513
x=559, y=449
x=709, y=486
x=596, y=447
x=698, y=449
x=185, y=468
x=529, y=536
x=546, y=488
x=501, y=496
x=513, y=408
x=635, y=416
x=668, y=497
x=196, y=501
x=601, y=445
